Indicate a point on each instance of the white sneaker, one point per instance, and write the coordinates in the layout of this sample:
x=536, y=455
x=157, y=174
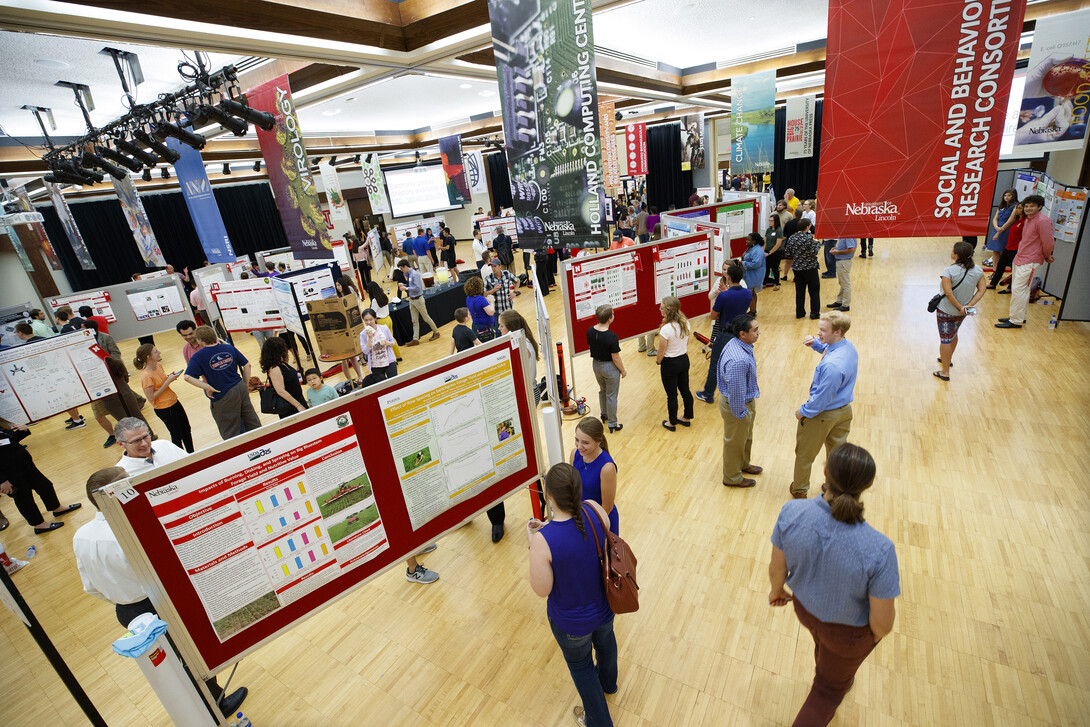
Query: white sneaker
x=428, y=549
x=652, y=352
x=421, y=575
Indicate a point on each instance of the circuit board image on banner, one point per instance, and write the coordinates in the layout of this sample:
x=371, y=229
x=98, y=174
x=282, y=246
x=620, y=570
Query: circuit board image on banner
x=545, y=68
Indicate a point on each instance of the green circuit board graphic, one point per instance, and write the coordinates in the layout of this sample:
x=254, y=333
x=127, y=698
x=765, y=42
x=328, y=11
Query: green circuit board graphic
x=545, y=68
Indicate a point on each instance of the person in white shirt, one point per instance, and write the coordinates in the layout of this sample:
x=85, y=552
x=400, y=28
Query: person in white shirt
x=479, y=248
x=40, y=324
x=107, y=575
x=141, y=454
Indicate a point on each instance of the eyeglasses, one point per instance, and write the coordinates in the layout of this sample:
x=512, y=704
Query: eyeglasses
x=137, y=440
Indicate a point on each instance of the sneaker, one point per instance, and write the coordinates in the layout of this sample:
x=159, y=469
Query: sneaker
x=421, y=575
x=76, y=424
x=652, y=352
x=110, y=441
x=428, y=549
x=641, y=349
x=69, y=420
x=704, y=397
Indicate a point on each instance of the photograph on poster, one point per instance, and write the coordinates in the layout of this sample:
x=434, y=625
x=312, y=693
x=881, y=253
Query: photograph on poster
x=154, y=302
x=266, y=527
x=98, y=300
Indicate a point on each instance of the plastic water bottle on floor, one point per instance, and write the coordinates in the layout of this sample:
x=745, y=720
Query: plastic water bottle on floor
x=242, y=720
x=1052, y=323
x=31, y=552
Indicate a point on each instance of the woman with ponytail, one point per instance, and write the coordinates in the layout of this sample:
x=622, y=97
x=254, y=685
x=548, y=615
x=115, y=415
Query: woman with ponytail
x=564, y=566
x=843, y=578
x=963, y=284
x=596, y=468
x=673, y=361
x=156, y=385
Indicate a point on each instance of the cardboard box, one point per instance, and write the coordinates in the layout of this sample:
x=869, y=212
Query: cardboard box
x=337, y=324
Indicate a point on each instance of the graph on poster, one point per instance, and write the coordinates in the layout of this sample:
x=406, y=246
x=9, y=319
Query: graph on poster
x=681, y=271
x=604, y=282
x=454, y=434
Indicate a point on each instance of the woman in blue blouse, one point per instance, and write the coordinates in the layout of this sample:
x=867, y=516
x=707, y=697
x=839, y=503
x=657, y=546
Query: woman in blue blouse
x=596, y=468
x=997, y=242
x=753, y=262
x=843, y=578
x=481, y=309
x=564, y=566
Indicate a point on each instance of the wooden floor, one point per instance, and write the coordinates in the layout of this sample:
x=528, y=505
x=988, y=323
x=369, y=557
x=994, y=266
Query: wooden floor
x=982, y=484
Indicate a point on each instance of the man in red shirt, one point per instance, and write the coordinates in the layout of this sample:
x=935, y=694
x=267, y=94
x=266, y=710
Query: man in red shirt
x=85, y=312
x=1036, y=248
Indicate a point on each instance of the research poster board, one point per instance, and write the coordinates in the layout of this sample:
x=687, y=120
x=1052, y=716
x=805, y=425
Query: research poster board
x=154, y=302
x=135, y=308
x=398, y=230
x=247, y=305
x=9, y=316
x=678, y=266
x=313, y=283
x=489, y=226
x=286, y=303
x=99, y=300
x=241, y=541
x=47, y=377
x=203, y=278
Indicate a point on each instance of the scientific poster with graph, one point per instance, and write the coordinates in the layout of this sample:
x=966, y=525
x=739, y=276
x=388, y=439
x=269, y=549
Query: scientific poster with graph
x=40, y=379
x=259, y=530
x=681, y=270
x=454, y=434
x=610, y=281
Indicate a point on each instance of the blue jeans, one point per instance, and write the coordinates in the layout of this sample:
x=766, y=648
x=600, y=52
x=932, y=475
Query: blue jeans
x=830, y=261
x=718, y=345
x=591, y=681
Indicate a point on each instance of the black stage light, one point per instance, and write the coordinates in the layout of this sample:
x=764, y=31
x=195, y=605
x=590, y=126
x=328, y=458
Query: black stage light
x=136, y=152
x=209, y=114
x=70, y=168
x=261, y=119
x=97, y=161
x=163, y=129
x=226, y=168
x=257, y=166
x=169, y=155
x=147, y=175
x=165, y=174
x=120, y=158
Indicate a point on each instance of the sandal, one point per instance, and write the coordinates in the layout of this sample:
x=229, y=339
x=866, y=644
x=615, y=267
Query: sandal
x=939, y=360
x=939, y=375
x=667, y=425
x=68, y=509
x=49, y=528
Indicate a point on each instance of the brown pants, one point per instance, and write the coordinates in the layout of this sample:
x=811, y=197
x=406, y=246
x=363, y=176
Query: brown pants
x=737, y=440
x=829, y=428
x=839, y=650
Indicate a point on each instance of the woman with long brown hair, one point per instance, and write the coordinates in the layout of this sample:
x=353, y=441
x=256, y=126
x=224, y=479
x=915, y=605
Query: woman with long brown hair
x=596, y=467
x=155, y=383
x=282, y=377
x=673, y=361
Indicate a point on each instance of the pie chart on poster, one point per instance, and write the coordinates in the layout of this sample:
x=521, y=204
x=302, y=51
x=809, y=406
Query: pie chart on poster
x=1064, y=79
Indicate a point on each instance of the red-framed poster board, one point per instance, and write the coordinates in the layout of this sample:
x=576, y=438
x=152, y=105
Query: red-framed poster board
x=244, y=540
x=634, y=280
x=720, y=212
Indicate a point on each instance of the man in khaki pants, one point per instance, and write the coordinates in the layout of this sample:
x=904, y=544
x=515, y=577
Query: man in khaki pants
x=737, y=382
x=826, y=417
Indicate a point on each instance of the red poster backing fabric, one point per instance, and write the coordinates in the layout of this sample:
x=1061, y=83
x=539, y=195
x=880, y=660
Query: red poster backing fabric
x=737, y=245
x=378, y=457
x=644, y=316
x=915, y=104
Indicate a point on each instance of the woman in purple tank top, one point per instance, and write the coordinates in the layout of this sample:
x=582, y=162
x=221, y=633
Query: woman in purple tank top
x=564, y=566
x=596, y=468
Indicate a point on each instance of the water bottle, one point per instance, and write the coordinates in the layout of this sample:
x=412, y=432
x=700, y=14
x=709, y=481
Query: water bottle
x=243, y=720
x=31, y=552
x=1052, y=323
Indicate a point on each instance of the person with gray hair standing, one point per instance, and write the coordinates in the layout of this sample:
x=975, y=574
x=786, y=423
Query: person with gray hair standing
x=140, y=453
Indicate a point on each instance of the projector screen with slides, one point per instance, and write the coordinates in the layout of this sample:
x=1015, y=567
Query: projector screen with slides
x=418, y=190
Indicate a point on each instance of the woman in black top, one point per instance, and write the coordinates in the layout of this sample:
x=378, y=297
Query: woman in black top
x=605, y=352
x=282, y=377
x=450, y=255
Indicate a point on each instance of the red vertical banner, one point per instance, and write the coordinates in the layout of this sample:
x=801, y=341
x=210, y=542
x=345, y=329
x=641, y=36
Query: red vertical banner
x=915, y=102
x=607, y=122
x=635, y=142
x=286, y=159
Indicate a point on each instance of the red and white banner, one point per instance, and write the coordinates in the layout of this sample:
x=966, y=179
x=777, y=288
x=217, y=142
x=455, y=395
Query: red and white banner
x=798, y=137
x=607, y=122
x=915, y=101
x=636, y=149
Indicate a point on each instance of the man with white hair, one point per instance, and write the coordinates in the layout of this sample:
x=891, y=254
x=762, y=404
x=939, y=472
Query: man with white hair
x=141, y=454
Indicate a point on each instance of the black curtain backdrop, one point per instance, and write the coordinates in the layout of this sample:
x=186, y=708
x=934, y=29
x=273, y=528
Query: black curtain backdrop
x=500, y=179
x=249, y=215
x=798, y=174
x=666, y=183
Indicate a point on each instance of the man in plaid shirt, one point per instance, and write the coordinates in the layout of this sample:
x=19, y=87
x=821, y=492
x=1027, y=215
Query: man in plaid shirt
x=502, y=284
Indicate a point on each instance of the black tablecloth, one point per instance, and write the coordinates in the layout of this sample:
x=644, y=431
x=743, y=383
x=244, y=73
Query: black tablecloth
x=442, y=300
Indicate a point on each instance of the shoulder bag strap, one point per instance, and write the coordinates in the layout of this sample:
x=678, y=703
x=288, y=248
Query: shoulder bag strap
x=597, y=543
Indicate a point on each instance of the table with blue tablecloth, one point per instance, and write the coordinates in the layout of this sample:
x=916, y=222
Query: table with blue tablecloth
x=442, y=300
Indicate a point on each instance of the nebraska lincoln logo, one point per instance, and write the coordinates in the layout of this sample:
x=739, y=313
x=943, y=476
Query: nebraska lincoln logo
x=877, y=210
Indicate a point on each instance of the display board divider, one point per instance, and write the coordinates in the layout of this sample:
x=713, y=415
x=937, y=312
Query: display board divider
x=119, y=298
x=216, y=494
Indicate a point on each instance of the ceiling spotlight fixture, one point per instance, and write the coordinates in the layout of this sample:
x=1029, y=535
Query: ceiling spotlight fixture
x=119, y=158
x=226, y=168
x=164, y=151
x=136, y=152
x=147, y=175
x=205, y=114
x=94, y=160
x=163, y=129
x=257, y=166
x=165, y=174
x=261, y=119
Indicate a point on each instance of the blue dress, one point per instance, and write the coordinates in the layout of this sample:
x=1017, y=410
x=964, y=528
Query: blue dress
x=754, y=264
x=1000, y=244
x=591, y=475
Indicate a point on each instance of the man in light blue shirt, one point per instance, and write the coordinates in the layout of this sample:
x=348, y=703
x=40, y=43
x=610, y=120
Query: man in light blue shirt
x=738, y=392
x=844, y=253
x=414, y=289
x=420, y=249
x=826, y=417
x=40, y=325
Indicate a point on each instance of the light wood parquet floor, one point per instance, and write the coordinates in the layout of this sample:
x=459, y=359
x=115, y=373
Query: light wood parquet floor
x=982, y=485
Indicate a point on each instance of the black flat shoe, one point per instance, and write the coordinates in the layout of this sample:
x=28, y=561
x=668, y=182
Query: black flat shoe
x=66, y=510
x=684, y=423
x=668, y=425
x=49, y=528
x=497, y=532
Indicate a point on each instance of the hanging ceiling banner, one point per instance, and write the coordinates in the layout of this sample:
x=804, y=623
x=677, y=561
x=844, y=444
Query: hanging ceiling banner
x=289, y=172
x=376, y=184
x=75, y=239
x=915, y=104
x=545, y=67
x=753, y=122
x=338, y=220
x=18, y=245
x=799, y=127
x=138, y=222
x=1056, y=98
x=636, y=149
x=607, y=120
x=38, y=229
x=450, y=152
x=478, y=181
x=692, y=142
x=201, y=202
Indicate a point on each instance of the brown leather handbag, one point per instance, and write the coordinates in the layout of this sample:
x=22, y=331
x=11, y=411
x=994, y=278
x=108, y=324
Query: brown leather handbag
x=618, y=568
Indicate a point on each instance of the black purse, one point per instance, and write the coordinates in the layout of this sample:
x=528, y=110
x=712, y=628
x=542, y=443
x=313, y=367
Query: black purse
x=933, y=304
x=273, y=403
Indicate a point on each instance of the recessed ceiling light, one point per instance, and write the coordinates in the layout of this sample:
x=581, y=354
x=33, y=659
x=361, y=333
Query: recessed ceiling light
x=331, y=112
x=466, y=85
x=52, y=64
x=486, y=93
x=350, y=99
